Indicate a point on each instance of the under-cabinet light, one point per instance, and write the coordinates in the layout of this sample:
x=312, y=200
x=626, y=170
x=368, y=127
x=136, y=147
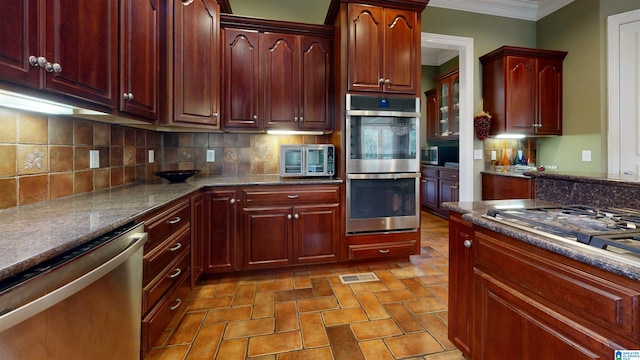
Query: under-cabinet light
x=510, y=136
x=293, y=132
x=23, y=102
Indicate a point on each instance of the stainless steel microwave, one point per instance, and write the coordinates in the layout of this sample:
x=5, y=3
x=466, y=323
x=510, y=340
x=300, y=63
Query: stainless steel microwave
x=307, y=160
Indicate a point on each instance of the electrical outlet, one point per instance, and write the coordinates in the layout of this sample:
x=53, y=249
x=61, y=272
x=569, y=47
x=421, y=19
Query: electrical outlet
x=152, y=157
x=586, y=155
x=494, y=155
x=477, y=154
x=211, y=155
x=94, y=159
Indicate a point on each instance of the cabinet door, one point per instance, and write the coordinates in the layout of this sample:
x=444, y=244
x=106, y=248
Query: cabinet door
x=432, y=110
x=549, y=94
x=460, y=275
x=520, y=94
x=241, y=73
x=279, y=61
x=507, y=324
x=19, y=33
x=400, y=51
x=139, y=36
x=82, y=37
x=430, y=193
x=196, y=68
x=220, y=230
x=454, y=105
x=365, y=47
x=266, y=234
x=448, y=190
x=198, y=238
x=443, y=93
x=315, y=84
x=316, y=233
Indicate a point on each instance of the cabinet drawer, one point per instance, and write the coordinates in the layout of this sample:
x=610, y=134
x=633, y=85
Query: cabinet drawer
x=291, y=195
x=169, y=277
x=382, y=250
x=429, y=172
x=156, y=322
x=162, y=224
x=449, y=174
x=155, y=261
x=578, y=294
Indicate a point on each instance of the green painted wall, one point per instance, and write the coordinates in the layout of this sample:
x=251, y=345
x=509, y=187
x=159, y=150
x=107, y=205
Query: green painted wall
x=306, y=11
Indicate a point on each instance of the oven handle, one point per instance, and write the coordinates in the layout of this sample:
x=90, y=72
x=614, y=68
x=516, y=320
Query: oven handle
x=383, y=176
x=407, y=114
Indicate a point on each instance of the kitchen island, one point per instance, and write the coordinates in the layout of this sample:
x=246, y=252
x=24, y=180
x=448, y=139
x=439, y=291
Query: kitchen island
x=32, y=234
x=520, y=294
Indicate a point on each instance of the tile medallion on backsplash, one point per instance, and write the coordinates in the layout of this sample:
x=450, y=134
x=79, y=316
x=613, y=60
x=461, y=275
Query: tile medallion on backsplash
x=264, y=147
x=32, y=159
x=186, y=155
x=230, y=155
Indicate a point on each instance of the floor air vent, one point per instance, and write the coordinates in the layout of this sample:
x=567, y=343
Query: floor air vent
x=358, y=278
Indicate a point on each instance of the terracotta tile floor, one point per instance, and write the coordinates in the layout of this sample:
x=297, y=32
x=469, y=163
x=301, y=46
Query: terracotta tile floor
x=309, y=314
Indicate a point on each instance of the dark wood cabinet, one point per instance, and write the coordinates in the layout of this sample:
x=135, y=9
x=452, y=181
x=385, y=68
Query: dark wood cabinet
x=431, y=115
x=502, y=187
x=198, y=238
x=510, y=299
x=66, y=47
x=242, y=96
x=383, y=49
x=277, y=76
x=439, y=184
x=221, y=230
x=447, y=119
x=290, y=225
x=522, y=90
x=193, y=64
x=139, y=57
x=460, y=275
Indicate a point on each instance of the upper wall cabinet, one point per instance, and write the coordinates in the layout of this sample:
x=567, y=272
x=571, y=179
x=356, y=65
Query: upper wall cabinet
x=383, y=49
x=139, y=57
x=277, y=75
x=522, y=90
x=192, y=70
x=67, y=47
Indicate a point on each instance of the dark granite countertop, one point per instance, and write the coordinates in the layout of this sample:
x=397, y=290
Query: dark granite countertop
x=34, y=233
x=589, y=178
x=519, y=174
x=473, y=211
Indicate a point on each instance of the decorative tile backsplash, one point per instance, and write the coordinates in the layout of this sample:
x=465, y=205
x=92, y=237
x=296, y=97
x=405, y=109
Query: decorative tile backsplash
x=46, y=157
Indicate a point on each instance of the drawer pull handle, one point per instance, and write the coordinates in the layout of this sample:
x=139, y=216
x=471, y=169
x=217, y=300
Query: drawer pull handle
x=177, y=305
x=175, y=274
x=293, y=196
x=384, y=251
x=175, y=247
x=175, y=220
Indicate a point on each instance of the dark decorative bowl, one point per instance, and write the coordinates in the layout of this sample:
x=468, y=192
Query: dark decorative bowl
x=176, y=176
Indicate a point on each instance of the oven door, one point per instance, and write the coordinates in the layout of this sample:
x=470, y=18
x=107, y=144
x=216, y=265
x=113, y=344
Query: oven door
x=382, y=202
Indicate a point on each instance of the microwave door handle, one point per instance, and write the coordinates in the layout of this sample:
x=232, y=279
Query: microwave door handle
x=304, y=166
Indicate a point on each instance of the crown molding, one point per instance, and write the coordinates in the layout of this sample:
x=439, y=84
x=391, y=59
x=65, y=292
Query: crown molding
x=532, y=10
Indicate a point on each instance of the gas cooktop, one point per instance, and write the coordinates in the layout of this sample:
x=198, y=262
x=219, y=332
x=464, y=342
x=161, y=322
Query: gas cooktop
x=613, y=230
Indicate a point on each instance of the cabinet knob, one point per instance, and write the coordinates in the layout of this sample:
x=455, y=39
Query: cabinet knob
x=42, y=61
x=55, y=68
x=467, y=243
x=289, y=216
x=380, y=81
x=215, y=115
x=301, y=119
x=295, y=118
x=296, y=216
x=232, y=201
x=128, y=96
x=255, y=117
x=387, y=82
x=33, y=60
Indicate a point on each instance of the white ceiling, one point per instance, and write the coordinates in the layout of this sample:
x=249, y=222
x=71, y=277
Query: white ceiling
x=532, y=10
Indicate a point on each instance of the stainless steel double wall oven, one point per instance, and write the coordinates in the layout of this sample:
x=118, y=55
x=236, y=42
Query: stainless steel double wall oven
x=382, y=163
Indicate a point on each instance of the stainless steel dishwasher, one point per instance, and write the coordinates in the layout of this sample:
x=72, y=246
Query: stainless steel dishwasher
x=82, y=304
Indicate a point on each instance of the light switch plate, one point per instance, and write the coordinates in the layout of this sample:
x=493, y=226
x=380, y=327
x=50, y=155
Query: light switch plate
x=493, y=155
x=152, y=157
x=211, y=155
x=477, y=154
x=586, y=155
x=94, y=159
